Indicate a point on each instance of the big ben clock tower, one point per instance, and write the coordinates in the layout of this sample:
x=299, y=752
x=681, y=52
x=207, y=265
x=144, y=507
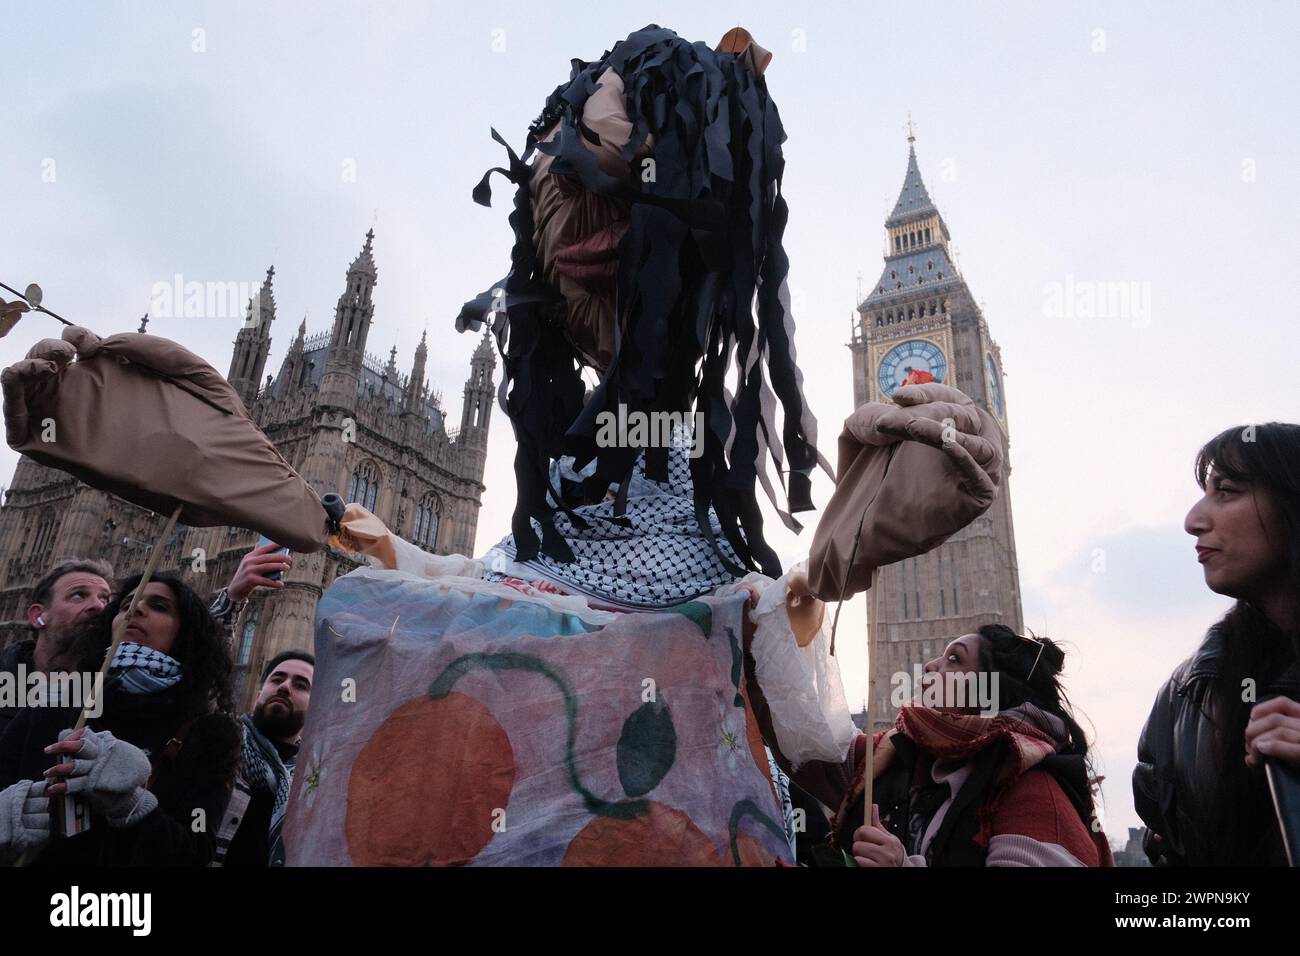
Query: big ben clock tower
x=921, y=315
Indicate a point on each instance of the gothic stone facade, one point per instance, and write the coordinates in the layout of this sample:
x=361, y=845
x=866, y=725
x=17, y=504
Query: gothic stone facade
x=346, y=422
x=921, y=315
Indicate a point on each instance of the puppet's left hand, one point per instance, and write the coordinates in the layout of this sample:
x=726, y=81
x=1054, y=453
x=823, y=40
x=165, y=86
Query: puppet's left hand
x=945, y=418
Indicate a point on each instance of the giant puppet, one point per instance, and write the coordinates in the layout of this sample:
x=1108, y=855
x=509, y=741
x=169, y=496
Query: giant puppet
x=578, y=694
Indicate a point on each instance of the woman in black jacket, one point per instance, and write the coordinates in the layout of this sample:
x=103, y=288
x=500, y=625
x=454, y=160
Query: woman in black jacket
x=155, y=767
x=1199, y=783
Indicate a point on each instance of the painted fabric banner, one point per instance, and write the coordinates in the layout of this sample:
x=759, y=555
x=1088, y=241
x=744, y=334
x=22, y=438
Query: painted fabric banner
x=459, y=722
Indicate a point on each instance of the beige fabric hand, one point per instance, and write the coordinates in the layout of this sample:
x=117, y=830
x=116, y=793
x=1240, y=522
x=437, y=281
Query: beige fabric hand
x=891, y=484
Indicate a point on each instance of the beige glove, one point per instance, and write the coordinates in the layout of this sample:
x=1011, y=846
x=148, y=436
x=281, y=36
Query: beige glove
x=911, y=474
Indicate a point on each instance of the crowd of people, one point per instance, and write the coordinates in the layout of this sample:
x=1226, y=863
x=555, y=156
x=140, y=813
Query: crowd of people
x=171, y=775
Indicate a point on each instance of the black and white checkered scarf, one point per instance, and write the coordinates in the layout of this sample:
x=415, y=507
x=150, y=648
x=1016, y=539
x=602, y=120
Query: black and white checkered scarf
x=656, y=557
x=138, y=669
x=262, y=769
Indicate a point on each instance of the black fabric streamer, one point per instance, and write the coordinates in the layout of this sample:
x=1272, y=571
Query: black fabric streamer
x=700, y=284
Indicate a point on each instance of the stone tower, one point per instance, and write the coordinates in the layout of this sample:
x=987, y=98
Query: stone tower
x=472, y=436
x=352, y=317
x=253, y=344
x=921, y=315
x=334, y=420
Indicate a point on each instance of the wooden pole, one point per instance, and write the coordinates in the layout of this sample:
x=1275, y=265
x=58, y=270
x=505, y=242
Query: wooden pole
x=869, y=758
x=120, y=628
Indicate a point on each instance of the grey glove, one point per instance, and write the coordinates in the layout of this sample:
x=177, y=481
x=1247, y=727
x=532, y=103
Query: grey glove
x=24, y=816
x=111, y=774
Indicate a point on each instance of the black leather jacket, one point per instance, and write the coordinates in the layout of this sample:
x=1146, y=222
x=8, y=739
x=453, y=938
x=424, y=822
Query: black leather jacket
x=1177, y=769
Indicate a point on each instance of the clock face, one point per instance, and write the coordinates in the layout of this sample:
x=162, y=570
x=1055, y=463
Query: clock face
x=995, y=384
x=914, y=355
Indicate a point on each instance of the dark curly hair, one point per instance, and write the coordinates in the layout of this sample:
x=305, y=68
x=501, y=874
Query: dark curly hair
x=1029, y=672
x=206, y=670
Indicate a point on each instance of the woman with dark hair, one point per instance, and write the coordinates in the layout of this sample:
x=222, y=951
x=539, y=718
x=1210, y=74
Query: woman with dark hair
x=992, y=771
x=156, y=765
x=1199, y=784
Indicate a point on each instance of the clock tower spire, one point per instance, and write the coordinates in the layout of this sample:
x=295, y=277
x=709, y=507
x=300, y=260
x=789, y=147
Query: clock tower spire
x=921, y=316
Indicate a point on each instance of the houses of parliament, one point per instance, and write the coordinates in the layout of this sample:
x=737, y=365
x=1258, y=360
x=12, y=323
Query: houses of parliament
x=921, y=315
x=423, y=479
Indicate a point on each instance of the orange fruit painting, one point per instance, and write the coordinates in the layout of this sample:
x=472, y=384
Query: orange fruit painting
x=431, y=785
x=660, y=837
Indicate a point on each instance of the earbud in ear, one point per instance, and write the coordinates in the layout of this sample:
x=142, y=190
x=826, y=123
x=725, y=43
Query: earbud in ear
x=40, y=620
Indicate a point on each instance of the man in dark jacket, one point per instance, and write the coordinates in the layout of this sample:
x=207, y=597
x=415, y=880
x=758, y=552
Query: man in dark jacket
x=66, y=597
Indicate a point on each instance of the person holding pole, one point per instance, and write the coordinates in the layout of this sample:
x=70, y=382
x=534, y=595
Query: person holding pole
x=965, y=781
x=1203, y=783
x=155, y=768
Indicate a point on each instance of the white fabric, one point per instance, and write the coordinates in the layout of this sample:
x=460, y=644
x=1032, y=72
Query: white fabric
x=415, y=560
x=954, y=774
x=1016, y=849
x=802, y=684
x=568, y=603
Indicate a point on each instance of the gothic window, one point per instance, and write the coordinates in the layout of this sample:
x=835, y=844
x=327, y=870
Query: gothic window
x=245, y=651
x=943, y=598
x=927, y=233
x=903, y=573
x=929, y=265
x=893, y=274
x=911, y=269
x=916, y=587
x=44, y=533
x=952, y=567
x=426, y=523
x=944, y=307
x=364, y=487
x=880, y=320
x=911, y=314
x=246, y=638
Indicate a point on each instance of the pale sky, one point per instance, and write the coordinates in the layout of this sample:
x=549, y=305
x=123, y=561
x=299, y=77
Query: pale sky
x=1069, y=146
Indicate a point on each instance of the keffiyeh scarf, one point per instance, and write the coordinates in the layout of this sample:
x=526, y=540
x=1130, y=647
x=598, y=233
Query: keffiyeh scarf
x=654, y=556
x=262, y=769
x=138, y=669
